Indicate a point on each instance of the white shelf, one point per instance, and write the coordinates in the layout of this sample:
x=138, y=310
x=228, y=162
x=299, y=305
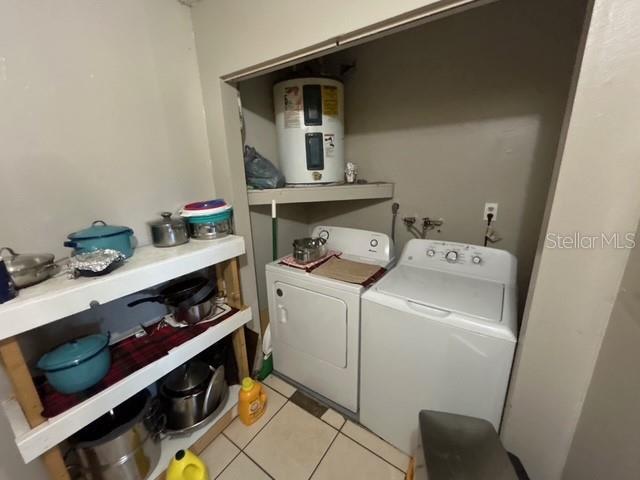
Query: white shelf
x=317, y=193
x=61, y=296
x=171, y=445
x=34, y=442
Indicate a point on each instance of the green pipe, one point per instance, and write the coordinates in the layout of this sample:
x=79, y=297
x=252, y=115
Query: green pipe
x=274, y=231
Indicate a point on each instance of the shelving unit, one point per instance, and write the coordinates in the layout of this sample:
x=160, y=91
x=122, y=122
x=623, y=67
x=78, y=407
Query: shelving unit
x=324, y=193
x=60, y=297
x=34, y=442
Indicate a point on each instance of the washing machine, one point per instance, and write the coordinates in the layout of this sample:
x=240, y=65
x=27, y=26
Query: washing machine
x=438, y=332
x=315, y=321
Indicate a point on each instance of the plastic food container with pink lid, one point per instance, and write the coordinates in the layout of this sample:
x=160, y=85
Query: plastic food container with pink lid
x=208, y=220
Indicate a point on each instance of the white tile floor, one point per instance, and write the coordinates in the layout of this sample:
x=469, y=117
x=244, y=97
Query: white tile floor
x=288, y=443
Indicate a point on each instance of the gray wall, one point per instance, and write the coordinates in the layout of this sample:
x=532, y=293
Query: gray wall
x=606, y=441
x=458, y=112
x=102, y=117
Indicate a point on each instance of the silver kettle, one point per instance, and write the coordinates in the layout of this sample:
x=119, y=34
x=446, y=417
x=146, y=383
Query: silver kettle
x=191, y=393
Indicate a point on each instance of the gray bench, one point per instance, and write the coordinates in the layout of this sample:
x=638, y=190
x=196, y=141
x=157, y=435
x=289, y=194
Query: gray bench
x=457, y=447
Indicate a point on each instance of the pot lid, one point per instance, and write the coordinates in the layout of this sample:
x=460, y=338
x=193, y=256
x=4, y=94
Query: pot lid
x=205, y=211
x=166, y=220
x=99, y=229
x=73, y=352
x=206, y=205
x=187, y=376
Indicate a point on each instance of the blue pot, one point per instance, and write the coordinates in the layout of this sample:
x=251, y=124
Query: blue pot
x=101, y=236
x=78, y=364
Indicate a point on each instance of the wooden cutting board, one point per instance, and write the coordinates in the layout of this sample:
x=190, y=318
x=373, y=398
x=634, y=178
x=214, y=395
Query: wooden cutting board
x=346, y=270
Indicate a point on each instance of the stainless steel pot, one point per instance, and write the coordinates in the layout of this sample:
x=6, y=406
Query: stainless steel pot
x=307, y=250
x=194, y=313
x=169, y=232
x=191, y=393
x=28, y=269
x=123, y=444
x=210, y=230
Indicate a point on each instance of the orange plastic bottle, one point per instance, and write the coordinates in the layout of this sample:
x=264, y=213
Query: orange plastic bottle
x=251, y=402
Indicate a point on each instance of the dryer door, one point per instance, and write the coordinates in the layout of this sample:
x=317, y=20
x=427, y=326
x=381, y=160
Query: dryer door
x=311, y=323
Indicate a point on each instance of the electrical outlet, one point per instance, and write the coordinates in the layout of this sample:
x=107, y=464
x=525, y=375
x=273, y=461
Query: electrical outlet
x=490, y=208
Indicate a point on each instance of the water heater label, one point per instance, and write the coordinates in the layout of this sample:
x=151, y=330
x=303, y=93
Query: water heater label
x=330, y=100
x=329, y=145
x=292, y=107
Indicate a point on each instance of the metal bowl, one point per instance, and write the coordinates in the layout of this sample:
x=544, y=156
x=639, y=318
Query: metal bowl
x=308, y=249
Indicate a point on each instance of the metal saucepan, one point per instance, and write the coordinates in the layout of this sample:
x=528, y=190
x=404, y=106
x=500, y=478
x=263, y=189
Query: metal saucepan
x=190, y=394
x=169, y=232
x=123, y=443
x=308, y=249
x=28, y=269
x=189, y=300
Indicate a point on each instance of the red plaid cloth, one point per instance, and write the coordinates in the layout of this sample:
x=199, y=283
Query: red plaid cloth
x=127, y=356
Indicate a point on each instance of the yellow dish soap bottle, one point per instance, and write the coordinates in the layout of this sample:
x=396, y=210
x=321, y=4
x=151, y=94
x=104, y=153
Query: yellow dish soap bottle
x=186, y=465
x=251, y=401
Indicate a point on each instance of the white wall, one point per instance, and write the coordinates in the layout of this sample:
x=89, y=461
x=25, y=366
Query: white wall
x=573, y=290
x=101, y=117
x=459, y=112
x=457, y=120
x=607, y=437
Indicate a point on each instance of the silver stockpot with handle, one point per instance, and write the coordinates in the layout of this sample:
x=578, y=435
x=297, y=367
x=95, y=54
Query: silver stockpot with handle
x=123, y=444
x=309, y=249
x=190, y=394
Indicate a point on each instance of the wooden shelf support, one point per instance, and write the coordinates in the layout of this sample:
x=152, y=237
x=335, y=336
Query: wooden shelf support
x=27, y=396
x=230, y=275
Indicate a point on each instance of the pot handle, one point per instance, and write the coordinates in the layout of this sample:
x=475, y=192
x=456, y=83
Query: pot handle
x=10, y=250
x=71, y=244
x=98, y=222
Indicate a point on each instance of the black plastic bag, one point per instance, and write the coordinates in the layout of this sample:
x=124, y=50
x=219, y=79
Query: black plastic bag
x=260, y=172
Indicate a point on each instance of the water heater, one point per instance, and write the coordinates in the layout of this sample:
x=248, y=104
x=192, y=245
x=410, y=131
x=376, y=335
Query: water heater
x=310, y=129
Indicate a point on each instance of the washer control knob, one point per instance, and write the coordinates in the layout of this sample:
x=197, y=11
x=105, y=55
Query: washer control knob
x=476, y=259
x=324, y=234
x=451, y=256
x=431, y=252
x=373, y=242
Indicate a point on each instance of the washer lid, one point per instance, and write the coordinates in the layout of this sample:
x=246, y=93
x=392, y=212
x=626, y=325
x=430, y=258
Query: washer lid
x=455, y=293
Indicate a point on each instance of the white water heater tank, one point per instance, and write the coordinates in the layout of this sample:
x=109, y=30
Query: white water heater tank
x=310, y=129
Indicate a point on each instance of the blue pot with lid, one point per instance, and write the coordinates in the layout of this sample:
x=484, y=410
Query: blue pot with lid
x=77, y=365
x=102, y=236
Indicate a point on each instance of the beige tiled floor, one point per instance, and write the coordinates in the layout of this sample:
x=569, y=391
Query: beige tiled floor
x=288, y=443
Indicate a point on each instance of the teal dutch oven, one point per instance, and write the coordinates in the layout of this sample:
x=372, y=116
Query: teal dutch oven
x=101, y=236
x=77, y=365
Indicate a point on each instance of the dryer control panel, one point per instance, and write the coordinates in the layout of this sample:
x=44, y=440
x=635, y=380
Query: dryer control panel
x=461, y=258
x=359, y=243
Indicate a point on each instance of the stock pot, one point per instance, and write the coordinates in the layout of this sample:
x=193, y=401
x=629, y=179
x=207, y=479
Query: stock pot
x=124, y=443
